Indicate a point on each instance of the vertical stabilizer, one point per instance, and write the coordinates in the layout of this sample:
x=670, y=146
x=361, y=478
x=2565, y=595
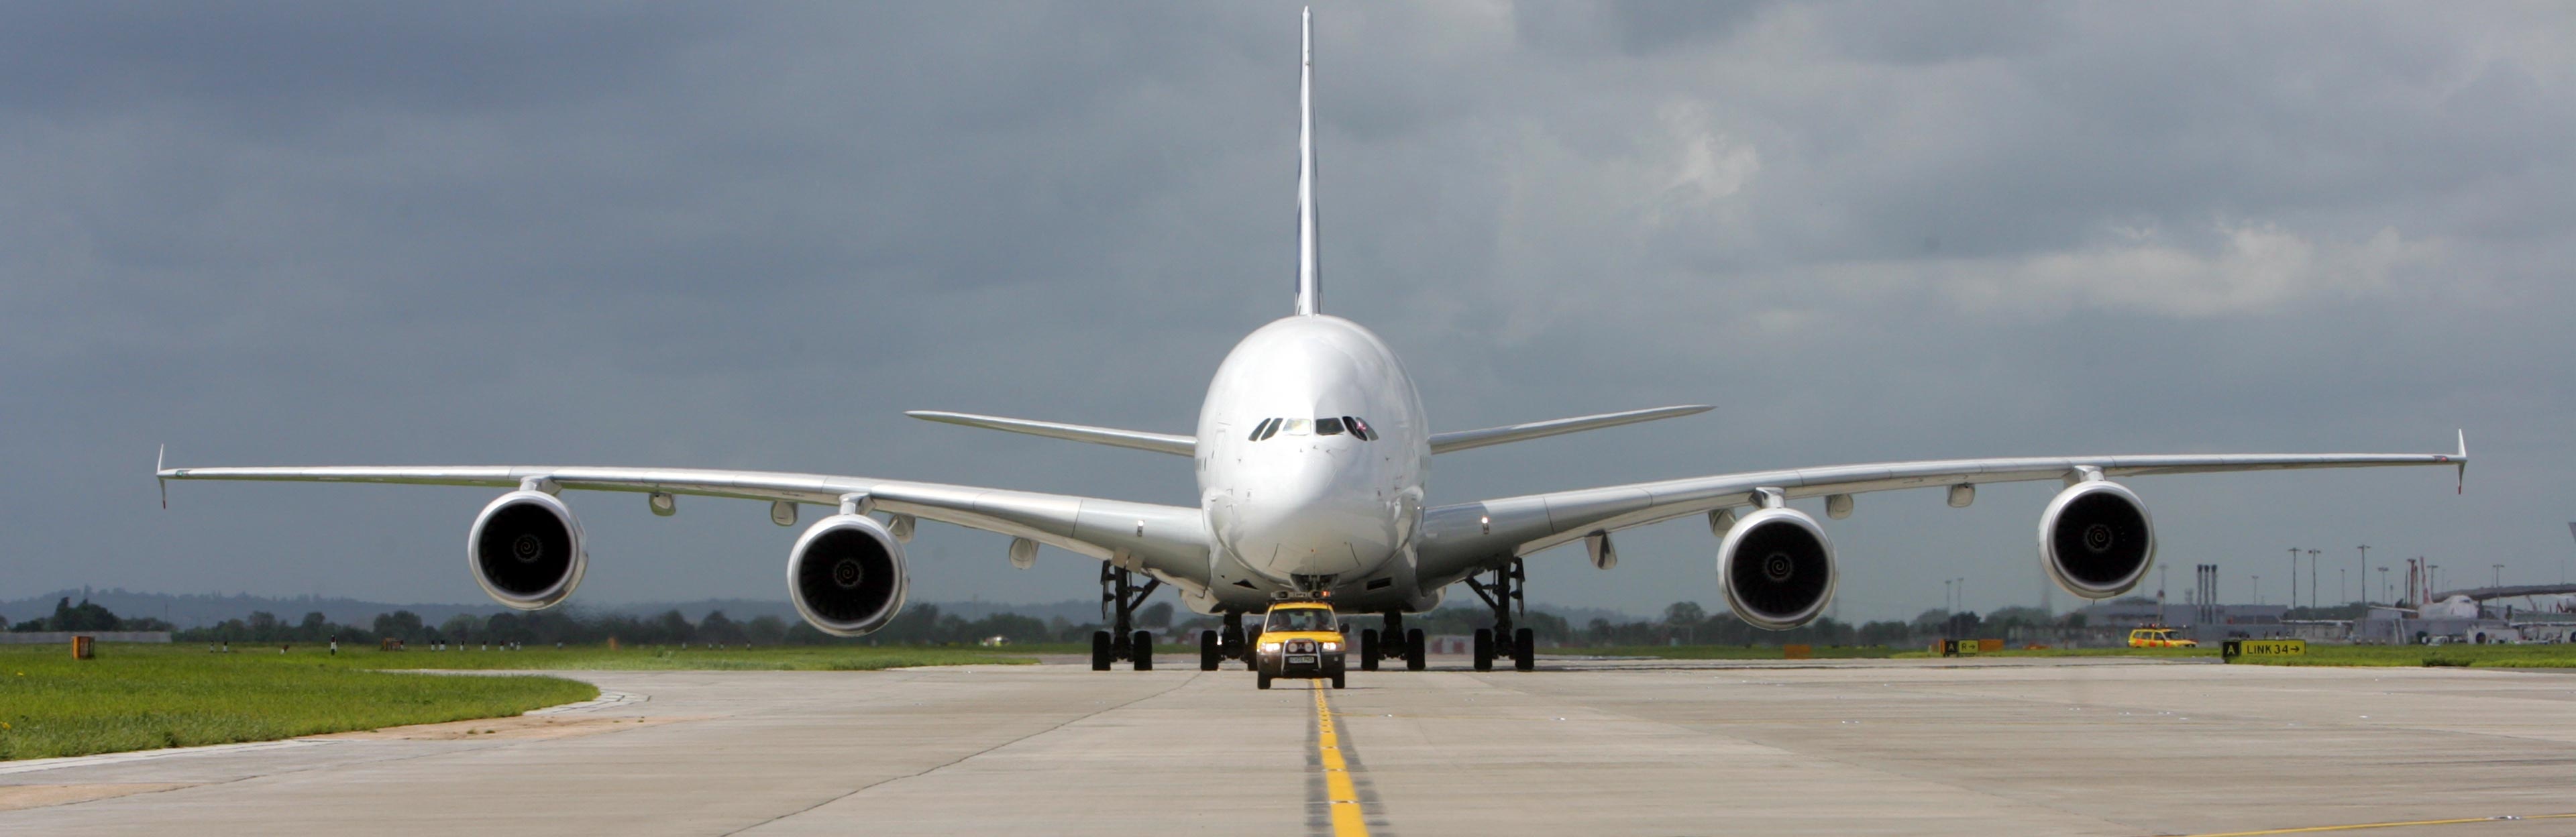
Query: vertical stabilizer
x=1310, y=275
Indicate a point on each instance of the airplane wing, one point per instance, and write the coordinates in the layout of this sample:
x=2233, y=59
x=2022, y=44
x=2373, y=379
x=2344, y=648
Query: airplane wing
x=1169, y=542
x=1459, y=540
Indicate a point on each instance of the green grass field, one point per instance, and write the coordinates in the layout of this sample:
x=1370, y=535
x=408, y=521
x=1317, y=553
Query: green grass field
x=2473, y=656
x=1717, y=652
x=138, y=696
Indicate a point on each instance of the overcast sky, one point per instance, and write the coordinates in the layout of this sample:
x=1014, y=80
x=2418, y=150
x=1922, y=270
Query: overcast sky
x=750, y=235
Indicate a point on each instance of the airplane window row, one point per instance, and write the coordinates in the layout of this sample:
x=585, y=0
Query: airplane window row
x=1325, y=426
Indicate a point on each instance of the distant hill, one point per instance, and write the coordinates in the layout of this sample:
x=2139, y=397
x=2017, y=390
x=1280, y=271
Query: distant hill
x=192, y=610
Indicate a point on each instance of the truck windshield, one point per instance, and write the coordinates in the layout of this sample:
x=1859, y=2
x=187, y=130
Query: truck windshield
x=1299, y=619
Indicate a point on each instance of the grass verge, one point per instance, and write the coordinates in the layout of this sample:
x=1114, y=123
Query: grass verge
x=145, y=696
x=140, y=697
x=1717, y=652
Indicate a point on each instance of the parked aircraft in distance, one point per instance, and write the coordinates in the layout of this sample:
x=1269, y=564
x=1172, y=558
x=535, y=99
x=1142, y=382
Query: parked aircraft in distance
x=1313, y=459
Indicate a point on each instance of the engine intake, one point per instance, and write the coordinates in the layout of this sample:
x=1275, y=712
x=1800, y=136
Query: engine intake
x=2095, y=539
x=1777, y=568
x=526, y=550
x=846, y=575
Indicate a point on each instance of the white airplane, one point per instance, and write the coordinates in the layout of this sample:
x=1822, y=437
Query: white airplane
x=1313, y=457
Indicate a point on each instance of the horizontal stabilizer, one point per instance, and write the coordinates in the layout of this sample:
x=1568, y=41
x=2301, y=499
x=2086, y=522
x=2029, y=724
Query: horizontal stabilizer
x=1138, y=439
x=1464, y=439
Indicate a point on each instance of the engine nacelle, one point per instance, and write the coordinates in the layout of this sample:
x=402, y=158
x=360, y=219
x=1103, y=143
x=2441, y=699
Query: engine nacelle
x=526, y=550
x=846, y=575
x=1777, y=568
x=2095, y=539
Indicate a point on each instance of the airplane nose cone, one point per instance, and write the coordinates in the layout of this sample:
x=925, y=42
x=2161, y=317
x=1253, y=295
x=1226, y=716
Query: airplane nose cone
x=1308, y=525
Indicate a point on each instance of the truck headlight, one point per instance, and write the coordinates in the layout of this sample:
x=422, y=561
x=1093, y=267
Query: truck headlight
x=1332, y=646
x=1269, y=647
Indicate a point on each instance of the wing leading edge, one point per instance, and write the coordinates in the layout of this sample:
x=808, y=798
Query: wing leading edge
x=1460, y=539
x=1169, y=542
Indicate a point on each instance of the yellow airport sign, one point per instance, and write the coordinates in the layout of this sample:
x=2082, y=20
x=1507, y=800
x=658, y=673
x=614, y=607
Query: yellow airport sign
x=2235, y=648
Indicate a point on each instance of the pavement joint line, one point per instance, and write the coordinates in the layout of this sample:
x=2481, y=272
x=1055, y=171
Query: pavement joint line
x=1349, y=818
x=969, y=756
x=2365, y=825
x=35, y=765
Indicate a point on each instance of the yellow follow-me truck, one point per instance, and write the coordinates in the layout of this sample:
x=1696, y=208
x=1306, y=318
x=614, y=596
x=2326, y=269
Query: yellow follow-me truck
x=1301, y=639
x=2152, y=637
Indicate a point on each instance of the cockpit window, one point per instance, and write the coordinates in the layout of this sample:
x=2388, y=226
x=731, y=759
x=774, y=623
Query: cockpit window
x=1319, y=426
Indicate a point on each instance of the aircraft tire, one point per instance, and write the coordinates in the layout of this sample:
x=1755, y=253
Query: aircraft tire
x=1524, y=650
x=1413, y=657
x=1368, y=649
x=1209, y=655
x=1484, y=649
x=1144, y=651
x=1101, y=656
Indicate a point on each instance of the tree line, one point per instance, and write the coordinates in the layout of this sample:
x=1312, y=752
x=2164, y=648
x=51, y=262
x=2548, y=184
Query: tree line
x=1683, y=623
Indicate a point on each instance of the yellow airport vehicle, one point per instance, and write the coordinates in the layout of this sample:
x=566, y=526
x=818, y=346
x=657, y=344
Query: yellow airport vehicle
x=2154, y=637
x=1301, y=639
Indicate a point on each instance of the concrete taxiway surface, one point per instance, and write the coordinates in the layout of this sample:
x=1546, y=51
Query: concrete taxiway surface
x=2085, y=747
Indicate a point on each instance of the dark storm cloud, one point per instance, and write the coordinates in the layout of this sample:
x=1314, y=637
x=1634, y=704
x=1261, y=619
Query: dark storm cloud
x=750, y=236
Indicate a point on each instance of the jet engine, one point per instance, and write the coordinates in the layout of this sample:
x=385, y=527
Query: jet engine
x=1777, y=568
x=2095, y=539
x=526, y=550
x=846, y=575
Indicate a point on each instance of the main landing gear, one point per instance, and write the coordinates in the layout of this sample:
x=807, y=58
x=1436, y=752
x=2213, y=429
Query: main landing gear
x=1395, y=642
x=1503, y=594
x=1119, y=596
x=1232, y=644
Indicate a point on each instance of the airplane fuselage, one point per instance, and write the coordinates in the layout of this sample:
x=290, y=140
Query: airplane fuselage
x=1312, y=456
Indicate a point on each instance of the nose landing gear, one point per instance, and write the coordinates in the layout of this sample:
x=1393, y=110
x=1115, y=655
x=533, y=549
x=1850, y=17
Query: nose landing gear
x=1119, y=596
x=1395, y=642
x=1216, y=647
x=1504, y=595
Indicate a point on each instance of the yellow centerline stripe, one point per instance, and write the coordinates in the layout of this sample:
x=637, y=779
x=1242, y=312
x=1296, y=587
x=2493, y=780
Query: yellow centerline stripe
x=1348, y=819
x=2359, y=826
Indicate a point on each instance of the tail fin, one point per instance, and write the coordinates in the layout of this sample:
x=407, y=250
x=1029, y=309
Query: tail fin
x=1310, y=275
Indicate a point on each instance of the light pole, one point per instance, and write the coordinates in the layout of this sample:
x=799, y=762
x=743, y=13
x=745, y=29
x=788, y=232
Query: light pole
x=2432, y=580
x=1946, y=609
x=2364, y=564
x=2294, y=576
x=2499, y=579
x=2343, y=584
x=2384, y=592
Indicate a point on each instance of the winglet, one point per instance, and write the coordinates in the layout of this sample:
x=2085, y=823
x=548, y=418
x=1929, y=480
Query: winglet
x=157, y=459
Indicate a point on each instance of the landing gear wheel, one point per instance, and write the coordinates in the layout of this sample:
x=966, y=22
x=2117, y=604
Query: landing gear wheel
x=1209, y=656
x=1265, y=681
x=1368, y=649
x=1504, y=593
x=1143, y=649
x=1413, y=658
x=1101, y=652
x=1524, y=650
x=1337, y=680
x=1484, y=649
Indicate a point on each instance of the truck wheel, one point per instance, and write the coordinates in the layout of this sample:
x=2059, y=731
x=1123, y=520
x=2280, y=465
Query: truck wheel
x=1337, y=679
x=1265, y=680
x=1100, y=653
